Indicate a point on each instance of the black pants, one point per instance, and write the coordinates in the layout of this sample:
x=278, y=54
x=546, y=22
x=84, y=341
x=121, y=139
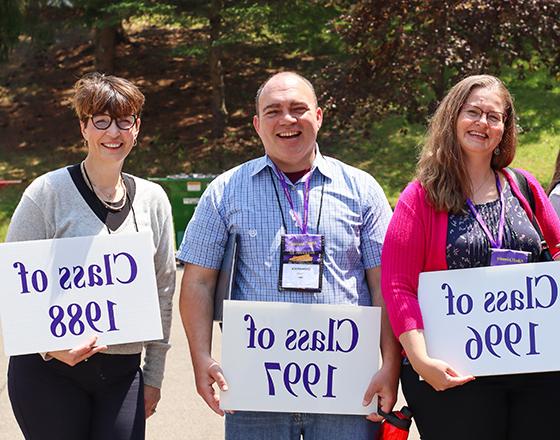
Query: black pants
x=509, y=407
x=102, y=399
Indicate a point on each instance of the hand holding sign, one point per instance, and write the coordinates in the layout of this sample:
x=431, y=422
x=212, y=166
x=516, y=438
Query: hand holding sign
x=439, y=374
x=208, y=372
x=78, y=354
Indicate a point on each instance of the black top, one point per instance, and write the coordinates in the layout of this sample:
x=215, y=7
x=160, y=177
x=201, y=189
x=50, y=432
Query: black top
x=112, y=219
x=467, y=244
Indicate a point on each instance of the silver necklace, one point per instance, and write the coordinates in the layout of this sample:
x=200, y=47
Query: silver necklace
x=108, y=205
x=482, y=184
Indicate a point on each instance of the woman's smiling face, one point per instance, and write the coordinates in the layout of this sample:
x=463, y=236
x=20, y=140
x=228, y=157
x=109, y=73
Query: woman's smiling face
x=480, y=124
x=111, y=144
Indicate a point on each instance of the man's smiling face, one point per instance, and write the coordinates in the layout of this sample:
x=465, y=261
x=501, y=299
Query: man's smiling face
x=288, y=122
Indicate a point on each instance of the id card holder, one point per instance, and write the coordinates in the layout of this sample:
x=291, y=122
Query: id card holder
x=301, y=262
x=501, y=257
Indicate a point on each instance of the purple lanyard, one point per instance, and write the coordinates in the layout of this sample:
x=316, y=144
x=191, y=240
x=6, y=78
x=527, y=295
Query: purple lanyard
x=497, y=244
x=301, y=224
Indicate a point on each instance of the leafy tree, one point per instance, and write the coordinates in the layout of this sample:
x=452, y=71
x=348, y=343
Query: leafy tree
x=218, y=102
x=105, y=19
x=212, y=12
x=11, y=21
x=404, y=54
x=281, y=31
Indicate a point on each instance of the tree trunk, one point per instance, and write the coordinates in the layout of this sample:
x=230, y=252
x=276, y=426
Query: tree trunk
x=10, y=26
x=439, y=84
x=218, y=99
x=105, y=39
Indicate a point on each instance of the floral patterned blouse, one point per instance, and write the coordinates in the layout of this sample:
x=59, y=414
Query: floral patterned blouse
x=467, y=244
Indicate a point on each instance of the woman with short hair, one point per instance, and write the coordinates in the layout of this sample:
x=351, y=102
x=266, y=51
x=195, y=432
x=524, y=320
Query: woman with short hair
x=462, y=209
x=92, y=391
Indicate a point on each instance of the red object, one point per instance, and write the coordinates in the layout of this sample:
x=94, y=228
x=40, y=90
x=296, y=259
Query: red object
x=396, y=424
x=4, y=183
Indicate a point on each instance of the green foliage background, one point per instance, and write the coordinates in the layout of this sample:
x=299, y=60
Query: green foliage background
x=261, y=37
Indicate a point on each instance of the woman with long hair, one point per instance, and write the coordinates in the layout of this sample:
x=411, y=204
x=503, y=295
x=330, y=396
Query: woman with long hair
x=463, y=206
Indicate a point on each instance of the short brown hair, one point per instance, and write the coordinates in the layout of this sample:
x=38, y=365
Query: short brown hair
x=98, y=93
x=441, y=169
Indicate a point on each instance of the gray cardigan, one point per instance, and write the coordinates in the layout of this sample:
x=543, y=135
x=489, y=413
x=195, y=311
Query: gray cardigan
x=52, y=207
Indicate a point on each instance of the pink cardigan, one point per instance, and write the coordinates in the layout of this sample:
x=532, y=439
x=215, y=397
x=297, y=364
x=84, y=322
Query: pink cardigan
x=416, y=242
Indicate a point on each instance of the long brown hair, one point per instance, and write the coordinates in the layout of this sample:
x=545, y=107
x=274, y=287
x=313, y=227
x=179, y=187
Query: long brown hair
x=441, y=169
x=556, y=176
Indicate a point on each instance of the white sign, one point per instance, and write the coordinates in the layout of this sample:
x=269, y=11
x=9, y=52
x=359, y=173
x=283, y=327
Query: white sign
x=58, y=293
x=191, y=200
x=313, y=358
x=493, y=320
x=193, y=186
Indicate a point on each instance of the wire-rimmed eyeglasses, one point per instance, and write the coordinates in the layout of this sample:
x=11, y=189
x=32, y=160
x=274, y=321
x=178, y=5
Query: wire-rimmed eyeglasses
x=475, y=113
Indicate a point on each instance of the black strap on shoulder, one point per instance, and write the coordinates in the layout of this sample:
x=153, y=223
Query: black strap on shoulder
x=523, y=186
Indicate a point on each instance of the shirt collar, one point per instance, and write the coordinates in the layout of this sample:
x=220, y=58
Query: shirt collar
x=320, y=163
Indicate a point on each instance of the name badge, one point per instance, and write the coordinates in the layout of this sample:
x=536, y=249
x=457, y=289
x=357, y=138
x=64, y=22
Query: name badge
x=501, y=257
x=301, y=262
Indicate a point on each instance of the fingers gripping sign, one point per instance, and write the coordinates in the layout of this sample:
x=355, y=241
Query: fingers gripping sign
x=79, y=353
x=213, y=374
x=217, y=374
x=440, y=375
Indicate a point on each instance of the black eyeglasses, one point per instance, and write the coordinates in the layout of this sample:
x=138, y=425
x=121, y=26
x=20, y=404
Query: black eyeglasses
x=103, y=122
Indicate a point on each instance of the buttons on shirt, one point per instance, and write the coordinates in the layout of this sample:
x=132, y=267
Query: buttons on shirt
x=252, y=233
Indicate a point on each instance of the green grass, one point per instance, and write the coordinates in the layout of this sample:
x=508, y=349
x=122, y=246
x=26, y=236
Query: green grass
x=26, y=164
x=537, y=99
x=9, y=197
x=387, y=150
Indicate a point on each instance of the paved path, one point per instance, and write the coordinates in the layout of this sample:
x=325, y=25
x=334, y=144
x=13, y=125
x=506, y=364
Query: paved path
x=181, y=413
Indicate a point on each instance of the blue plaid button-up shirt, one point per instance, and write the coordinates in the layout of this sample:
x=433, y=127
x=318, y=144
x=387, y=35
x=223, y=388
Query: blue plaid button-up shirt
x=354, y=218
